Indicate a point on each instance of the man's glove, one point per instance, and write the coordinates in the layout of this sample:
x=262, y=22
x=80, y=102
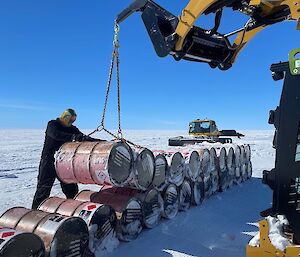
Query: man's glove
x=78, y=137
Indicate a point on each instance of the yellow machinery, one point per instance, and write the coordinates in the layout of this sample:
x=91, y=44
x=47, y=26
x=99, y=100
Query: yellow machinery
x=180, y=38
x=266, y=249
x=204, y=131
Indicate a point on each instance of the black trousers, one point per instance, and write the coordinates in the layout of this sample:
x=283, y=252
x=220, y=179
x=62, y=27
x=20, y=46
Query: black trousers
x=46, y=178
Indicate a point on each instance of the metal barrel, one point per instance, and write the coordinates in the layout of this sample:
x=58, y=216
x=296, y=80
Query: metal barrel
x=20, y=244
x=152, y=207
x=100, y=218
x=238, y=164
x=214, y=170
x=171, y=201
x=243, y=155
x=143, y=169
x=161, y=172
x=152, y=204
x=185, y=195
x=207, y=181
x=176, y=167
x=231, y=166
x=248, y=153
x=244, y=173
x=52, y=229
x=222, y=159
x=243, y=163
x=249, y=170
x=205, y=161
x=192, y=160
x=197, y=191
x=213, y=159
x=223, y=170
x=102, y=163
x=128, y=210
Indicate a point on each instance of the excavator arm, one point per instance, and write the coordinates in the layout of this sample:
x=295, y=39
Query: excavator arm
x=179, y=37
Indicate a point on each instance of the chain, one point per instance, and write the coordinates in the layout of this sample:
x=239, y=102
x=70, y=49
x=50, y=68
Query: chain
x=115, y=57
x=119, y=97
x=101, y=126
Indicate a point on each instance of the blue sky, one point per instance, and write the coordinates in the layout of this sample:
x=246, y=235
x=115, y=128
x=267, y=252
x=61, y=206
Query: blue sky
x=56, y=54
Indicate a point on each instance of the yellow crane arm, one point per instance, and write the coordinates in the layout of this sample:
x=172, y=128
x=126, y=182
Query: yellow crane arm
x=179, y=37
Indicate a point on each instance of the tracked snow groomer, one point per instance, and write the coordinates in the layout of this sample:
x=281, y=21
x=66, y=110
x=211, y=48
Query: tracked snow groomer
x=204, y=131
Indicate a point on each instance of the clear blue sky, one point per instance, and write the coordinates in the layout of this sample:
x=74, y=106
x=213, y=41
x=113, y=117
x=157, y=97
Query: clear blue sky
x=56, y=54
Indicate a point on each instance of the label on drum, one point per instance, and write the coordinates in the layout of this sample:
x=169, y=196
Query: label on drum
x=158, y=169
x=91, y=207
x=7, y=234
x=52, y=224
x=84, y=214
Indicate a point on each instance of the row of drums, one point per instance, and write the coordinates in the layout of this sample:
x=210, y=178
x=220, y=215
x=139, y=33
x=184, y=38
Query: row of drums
x=118, y=164
x=73, y=227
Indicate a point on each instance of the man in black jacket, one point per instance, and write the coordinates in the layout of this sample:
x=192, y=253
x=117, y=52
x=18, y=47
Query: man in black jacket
x=58, y=132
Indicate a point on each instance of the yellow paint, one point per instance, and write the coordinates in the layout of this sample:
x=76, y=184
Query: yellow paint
x=195, y=8
x=188, y=17
x=239, y=44
x=266, y=249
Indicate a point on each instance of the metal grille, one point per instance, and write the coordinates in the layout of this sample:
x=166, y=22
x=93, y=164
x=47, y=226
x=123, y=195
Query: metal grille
x=105, y=230
x=294, y=195
x=171, y=198
x=132, y=215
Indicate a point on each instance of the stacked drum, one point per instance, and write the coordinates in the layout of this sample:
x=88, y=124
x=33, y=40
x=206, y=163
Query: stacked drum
x=15, y=243
x=62, y=236
x=138, y=187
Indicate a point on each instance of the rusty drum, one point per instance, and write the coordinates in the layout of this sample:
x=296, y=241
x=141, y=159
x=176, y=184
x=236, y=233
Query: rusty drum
x=161, y=172
x=20, y=244
x=207, y=181
x=238, y=164
x=63, y=236
x=185, y=195
x=128, y=209
x=243, y=161
x=192, y=160
x=223, y=171
x=204, y=160
x=102, y=163
x=100, y=218
x=248, y=153
x=143, y=169
x=243, y=155
x=176, y=167
x=249, y=170
x=231, y=166
x=171, y=201
x=214, y=170
x=197, y=191
x=152, y=204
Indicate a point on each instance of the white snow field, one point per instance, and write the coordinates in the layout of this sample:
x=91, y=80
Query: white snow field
x=210, y=230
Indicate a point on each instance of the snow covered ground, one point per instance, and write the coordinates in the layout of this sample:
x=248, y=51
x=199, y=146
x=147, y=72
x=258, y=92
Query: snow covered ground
x=210, y=230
